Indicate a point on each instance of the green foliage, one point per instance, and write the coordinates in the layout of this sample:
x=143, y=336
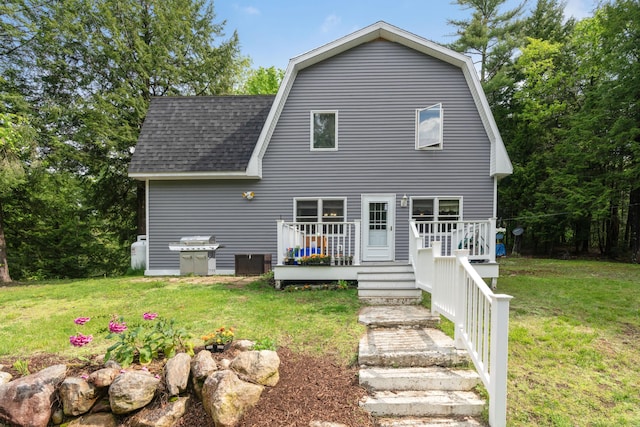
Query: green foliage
x=22, y=366
x=265, y=344
x=148, y=342
x=262, y=81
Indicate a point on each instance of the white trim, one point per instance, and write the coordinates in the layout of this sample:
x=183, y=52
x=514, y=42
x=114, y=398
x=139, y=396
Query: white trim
x=177, y=176
x=146, y=221
x=500, y=163
x=312, y=123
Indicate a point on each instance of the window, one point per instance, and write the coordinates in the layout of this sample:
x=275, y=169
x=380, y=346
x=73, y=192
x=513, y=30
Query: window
x=436, y=209
x=321, y=210
x=324, y=130
x=429, y=128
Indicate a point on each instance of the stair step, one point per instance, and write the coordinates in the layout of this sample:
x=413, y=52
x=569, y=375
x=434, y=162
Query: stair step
x=414, y=347
x=428, y=422
x=430, y=403
x=398, y=316
x=386, y=276
x=418, y=379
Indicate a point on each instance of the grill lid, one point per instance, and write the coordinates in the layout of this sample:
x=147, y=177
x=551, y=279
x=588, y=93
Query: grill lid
x=195, y=243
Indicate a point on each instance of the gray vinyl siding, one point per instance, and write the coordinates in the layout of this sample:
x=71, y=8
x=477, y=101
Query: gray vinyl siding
x=376, y=88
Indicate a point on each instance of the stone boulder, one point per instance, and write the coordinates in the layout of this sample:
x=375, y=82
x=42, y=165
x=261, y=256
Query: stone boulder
x=226, y=398
x=176, y=373
x=77, y=395
x=258, y=366
x=5, y=377
x=132, y=390
x=27, y=401
x=164, y=416
x=104, y=377
x=203, y=365
x=103, y=419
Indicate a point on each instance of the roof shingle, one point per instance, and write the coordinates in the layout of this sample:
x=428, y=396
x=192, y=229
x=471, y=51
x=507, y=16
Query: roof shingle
x=200, y=134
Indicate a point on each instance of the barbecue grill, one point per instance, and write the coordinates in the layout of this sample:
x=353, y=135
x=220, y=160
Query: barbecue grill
x=197, y=254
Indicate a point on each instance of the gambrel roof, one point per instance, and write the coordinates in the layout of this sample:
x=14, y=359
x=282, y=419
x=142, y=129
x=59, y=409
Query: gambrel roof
x=199, y=136
x=167, y=123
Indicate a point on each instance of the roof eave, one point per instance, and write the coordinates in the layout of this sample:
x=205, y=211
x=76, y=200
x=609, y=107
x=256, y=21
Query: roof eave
x=177, y=176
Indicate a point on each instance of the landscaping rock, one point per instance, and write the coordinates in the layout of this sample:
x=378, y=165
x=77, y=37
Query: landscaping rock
x=104, y=377
x=103, y=419
x=203, y=365
x=258, y=366
x=77, y=395
x=5, y=377
x=165, y=416
x=243, y=345
x=176, y=373
x=226, y=398
x=132, y=390
x=27, y=401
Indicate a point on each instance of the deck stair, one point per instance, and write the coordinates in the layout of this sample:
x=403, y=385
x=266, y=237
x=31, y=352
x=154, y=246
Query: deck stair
x=413, y=372
x=388, y=283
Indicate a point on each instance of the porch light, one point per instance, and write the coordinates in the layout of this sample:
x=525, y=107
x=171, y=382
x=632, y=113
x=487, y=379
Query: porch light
x=403, y=201
x=248, y=195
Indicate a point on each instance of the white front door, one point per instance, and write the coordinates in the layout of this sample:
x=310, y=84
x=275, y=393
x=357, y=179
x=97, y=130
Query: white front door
x=378, y=223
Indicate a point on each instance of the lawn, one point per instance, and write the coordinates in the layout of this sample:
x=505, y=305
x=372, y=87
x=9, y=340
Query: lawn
x=574, y=346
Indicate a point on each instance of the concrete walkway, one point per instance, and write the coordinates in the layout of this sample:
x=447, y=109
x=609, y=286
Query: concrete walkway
x=415, y=375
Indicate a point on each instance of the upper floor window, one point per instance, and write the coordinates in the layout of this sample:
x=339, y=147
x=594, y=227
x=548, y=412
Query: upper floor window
x=324, y=130
x=429, y=128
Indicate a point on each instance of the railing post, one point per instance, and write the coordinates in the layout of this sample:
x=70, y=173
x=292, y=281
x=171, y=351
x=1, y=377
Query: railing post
x=356, y=255
x=492, y=240
x=499, y=357
x=461, y=299
x=280, y=245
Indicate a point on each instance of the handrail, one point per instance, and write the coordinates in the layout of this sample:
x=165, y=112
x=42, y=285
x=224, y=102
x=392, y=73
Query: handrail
x=480, y=317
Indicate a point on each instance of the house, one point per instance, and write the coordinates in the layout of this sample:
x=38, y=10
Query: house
x=372, y=139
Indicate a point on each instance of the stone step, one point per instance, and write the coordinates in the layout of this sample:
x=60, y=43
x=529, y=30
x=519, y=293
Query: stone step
x=418, y=379
x=428, y=422
x=403, y=297
x=412, y=347
x=430, y=403
x=398, y=316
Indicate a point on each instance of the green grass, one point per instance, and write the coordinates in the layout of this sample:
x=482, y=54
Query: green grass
x=39, y=317
x=574, y=342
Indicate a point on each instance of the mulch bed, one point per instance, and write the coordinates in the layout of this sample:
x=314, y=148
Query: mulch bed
x=310, y=388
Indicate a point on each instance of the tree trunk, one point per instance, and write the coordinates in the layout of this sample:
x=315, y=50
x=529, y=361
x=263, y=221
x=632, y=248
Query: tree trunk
x=4, y=266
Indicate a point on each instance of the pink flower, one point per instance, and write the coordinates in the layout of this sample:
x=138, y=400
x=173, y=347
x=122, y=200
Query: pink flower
x=80, y=340
x=81, y=320
x=149, y=316
x=117, y=327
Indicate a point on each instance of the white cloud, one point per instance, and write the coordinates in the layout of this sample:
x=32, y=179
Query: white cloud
x=250, y=10
x=330, y=22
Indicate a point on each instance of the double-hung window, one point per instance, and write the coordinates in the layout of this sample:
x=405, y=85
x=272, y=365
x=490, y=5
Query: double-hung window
x=329, y=211
x=436, y=209
x=324, y=130
x=429, y=128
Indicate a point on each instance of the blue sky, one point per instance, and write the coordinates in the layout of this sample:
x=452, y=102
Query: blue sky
x=273, y=31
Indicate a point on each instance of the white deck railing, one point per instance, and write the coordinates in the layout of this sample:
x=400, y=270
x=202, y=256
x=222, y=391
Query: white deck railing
x=478, y=237
x=480, y=317
x=339, y=240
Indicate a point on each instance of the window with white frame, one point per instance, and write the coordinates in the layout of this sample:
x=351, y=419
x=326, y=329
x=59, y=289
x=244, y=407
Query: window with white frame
x=436, y=209
x=324, y=130
x=429, y=128
x=327, y=210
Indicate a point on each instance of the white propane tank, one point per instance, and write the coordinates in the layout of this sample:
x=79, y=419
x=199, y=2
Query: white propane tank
x=139, y=253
